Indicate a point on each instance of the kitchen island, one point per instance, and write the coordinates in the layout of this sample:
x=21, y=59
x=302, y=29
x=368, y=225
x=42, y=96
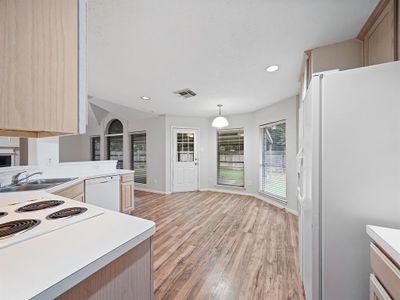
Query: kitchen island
x=105, y=256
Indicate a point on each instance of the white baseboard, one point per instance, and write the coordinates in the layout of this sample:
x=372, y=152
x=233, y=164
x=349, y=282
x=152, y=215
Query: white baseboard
x=150, y=191
x=258, y=196
x=292, y=211
x=234, y=192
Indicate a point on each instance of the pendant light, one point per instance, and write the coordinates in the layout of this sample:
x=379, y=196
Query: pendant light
x=220, y=121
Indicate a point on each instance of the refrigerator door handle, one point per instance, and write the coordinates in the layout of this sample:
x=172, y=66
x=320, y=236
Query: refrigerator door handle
x=300, y=176
x=299, y=159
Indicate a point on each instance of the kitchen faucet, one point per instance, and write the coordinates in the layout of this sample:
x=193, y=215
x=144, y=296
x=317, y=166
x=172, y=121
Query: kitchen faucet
x=16, y=180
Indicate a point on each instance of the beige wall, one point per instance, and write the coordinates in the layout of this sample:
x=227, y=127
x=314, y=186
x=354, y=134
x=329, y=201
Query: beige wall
x=344, y=55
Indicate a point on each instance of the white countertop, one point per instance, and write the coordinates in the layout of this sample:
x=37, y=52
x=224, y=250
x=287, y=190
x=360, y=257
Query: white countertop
x=388, y=239
x=48, y=265
x=90, y=175
x=80, y=176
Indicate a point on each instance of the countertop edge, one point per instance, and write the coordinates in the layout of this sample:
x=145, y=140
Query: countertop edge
x=386, y=245
x=80, y=275
x=68, y=184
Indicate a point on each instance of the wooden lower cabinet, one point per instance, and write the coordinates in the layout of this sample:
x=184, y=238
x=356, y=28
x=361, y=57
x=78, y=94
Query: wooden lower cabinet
x=80, y=198
x=75, y=192
x=127, y=193
x=385, y=280
x=128, y=277
x=377, y=291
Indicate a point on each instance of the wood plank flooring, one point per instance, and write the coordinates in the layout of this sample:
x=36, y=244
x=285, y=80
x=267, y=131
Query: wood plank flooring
x=212, y=245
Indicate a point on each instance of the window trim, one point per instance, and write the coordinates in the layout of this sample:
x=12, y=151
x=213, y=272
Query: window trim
x=130, y=134
x=113, y=134
x=284, y=200
x=221, y=185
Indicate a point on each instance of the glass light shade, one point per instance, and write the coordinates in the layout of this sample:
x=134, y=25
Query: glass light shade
x=220, y=122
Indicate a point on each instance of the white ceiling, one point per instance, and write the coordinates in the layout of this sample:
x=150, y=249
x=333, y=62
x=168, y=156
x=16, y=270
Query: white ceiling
x=218, y=48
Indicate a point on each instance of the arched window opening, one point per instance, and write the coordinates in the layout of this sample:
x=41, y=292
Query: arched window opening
x=115, y=127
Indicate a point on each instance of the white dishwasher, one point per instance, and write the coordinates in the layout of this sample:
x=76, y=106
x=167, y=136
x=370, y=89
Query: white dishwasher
x=103, y=192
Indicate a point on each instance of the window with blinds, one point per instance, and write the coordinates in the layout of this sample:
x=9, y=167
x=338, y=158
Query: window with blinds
x=273, y=160
x=139, y=156
x=115, y=143
x=231, y=157
x=95, y=147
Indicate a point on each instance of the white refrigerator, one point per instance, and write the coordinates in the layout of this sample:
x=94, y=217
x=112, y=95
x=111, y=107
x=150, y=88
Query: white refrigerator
x=348, y=176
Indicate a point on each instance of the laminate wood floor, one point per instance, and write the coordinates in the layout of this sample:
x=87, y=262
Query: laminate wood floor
x=212, y=245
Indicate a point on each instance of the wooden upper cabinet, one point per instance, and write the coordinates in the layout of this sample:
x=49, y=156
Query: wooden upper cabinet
x=380, y=34
x=42, y=67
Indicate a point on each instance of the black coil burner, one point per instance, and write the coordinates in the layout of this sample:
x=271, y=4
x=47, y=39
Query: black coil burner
x=17, y=226
x=67, y=212
x=39, y=205
x=3, y=214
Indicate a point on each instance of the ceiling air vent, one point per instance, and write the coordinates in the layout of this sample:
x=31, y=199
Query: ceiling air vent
x=186, y=93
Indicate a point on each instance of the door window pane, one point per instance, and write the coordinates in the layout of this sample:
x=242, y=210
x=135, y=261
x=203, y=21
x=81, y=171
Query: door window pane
x=273, y=168
x=139, y=156
x=185, y=147
x=231, y=157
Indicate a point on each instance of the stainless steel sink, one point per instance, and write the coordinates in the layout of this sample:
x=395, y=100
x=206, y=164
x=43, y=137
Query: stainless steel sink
x=53, y=181
x=25, y=187
x=39, y=184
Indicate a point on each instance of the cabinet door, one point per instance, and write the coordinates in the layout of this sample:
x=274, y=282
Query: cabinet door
x=379, y=36
x=75, y=192
x=80, y=198
x=40, y=66
x=385, y=271
x=377, y=291
x=127, y=196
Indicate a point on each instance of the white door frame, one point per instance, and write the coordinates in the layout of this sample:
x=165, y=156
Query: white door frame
x=172, y=154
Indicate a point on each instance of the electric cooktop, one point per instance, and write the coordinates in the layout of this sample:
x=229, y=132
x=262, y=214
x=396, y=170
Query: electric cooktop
x=29, y=218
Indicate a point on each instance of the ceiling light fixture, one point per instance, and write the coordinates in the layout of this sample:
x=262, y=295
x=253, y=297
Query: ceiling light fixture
x=145, y=98
x=272, y=68
x=220, y=121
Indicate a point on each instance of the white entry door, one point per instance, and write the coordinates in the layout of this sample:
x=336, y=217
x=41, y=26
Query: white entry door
x=185, y=175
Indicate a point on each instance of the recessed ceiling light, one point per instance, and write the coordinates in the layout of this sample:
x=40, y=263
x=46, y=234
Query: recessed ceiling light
x=272, y=68
x=145, y=98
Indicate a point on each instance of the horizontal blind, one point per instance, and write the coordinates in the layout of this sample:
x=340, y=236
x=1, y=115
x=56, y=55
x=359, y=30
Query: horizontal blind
x=115, y=149
x=273, y=168
x=139, y=156
x=231, y=157
x=95, y=145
